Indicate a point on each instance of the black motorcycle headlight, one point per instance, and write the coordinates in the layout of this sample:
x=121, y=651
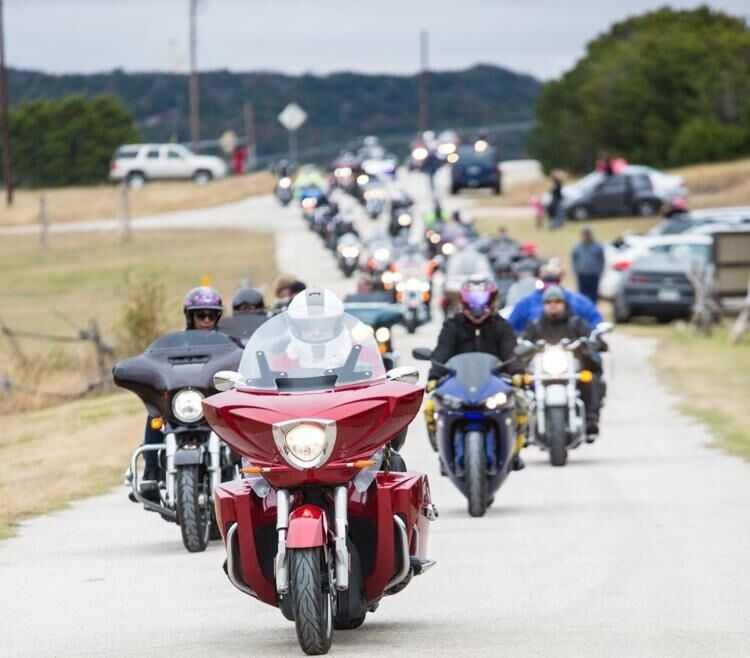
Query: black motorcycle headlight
x=451, y=401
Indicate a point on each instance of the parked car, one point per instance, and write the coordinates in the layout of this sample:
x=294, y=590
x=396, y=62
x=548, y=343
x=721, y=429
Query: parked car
x=475, y=169
x=618, y=261
x=657, y=285
x=138, y=163
x=707, y=220
x=639, y=190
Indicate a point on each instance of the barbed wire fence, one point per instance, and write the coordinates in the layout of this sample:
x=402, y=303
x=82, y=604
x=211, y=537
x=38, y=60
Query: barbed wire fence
x=104, y=352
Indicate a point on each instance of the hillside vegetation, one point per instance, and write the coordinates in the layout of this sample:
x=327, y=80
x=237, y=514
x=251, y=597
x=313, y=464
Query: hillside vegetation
x=666, y=88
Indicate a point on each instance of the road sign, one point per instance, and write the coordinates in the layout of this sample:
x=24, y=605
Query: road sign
x=228, y=141
x=292, y=117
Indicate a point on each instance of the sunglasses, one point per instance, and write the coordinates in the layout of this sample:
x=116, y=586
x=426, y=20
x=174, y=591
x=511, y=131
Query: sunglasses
x=206, y=315
x=553, y=301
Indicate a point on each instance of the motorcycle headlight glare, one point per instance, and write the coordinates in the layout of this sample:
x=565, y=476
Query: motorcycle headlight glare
x=187, y=407
x=495, y=401
x=404, y=219
x=382, y=334
x=435, y=238
x=448, y=248
x=363, y=179
x=554, y=362
x=305, y=443
x=285, y=183
x=451, y=401
x=350, y=252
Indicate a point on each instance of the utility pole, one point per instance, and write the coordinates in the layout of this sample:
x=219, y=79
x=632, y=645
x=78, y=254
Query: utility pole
x=195, y=121
x=5, y=118
x=424, y=92
x=249, y=117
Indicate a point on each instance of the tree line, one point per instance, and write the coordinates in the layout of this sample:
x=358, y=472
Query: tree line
x=666, y=88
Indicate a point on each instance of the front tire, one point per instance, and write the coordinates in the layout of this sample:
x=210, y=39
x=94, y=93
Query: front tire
x=312, y=607
x=202, y=176
x=647, y=208
x=475, y=463
x=411, y=323
x=556, y=436
x=194, y=519
x=580, y=213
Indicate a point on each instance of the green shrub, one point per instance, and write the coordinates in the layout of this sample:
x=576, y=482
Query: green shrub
x=142, y=317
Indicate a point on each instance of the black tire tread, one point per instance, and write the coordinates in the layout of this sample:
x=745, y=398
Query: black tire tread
x=556, y=436
x=476, y=473
x=308, y=601
x=192, y=523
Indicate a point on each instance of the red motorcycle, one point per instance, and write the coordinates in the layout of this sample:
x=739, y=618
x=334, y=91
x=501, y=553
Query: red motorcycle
x=321, y=526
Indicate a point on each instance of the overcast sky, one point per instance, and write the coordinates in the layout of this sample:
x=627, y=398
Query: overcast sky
x=541, y=37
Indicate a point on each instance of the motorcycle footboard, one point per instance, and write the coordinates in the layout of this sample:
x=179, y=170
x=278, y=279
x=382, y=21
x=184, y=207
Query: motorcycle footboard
x=403, y=511
x=242, y=518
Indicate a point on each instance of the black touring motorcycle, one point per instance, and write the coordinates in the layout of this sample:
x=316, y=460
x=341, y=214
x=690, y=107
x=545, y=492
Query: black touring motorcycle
x=172, y=377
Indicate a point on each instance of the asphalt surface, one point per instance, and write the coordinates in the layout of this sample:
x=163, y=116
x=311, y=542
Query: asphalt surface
x=640, y=546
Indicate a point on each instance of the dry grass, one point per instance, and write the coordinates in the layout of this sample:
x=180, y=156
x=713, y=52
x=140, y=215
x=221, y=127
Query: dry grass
x=713, y=377
x=101, y=202
x=50, y=457
x=88, y=276
x=719, y=184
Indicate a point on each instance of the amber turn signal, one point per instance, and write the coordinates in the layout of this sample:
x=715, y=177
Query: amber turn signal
x=252, y=470
x=364, y=463
x=586, y=376
x=157, y=423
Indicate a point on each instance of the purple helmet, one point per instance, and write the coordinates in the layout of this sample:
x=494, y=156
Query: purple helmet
x=202, y=298
x=478, y=298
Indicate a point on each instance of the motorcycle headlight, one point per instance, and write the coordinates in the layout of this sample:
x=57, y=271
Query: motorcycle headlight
x=451, y=401
x=342, y=172
x=350, y=252
x=448, y=248
x=186, y=405
x=285, y=182
x=495, y=401
x=309, y=203
x=554, y=361
x=419, y=153
x=305, y=443
x=404, y=219
x=382, y=254
x=435, y=238
x=363, y=179
x=382, y=334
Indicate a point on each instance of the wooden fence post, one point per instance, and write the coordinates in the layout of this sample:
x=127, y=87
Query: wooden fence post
x=124, y=214
x=44, y=222
x=741, y=324
x=102, y=351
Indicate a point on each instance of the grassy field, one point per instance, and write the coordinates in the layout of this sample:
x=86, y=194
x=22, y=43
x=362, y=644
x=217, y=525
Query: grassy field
x=711, y=375
x=101, y=202
x=52, y=454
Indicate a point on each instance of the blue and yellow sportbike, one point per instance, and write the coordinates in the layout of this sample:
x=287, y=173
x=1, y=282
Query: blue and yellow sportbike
x=475, y=413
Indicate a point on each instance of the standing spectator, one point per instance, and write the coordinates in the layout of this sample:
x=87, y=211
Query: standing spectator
x=588, y=264
x=556, y=208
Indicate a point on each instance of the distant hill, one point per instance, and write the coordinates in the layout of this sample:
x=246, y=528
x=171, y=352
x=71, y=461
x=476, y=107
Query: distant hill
x=340, y=105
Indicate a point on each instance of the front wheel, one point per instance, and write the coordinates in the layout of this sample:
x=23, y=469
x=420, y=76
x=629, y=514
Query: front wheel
x=194, y=518
x=556, y=436
x=580, y=213
x=411, y=323
x=476, y=473
x=202, y=176
x=311, y=603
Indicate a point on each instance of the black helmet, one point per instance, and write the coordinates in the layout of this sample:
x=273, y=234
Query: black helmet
x=249, y=296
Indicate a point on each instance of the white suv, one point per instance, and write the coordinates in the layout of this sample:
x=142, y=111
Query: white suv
x=137, y=163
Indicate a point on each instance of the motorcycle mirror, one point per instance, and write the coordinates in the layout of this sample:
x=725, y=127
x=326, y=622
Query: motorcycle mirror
x=524, y=349
x=405, y=374
x=604, y=327
x=226, y=380
x=422, y=354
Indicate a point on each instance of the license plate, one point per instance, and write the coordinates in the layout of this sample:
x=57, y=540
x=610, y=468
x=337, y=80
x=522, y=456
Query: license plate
x=668, y=295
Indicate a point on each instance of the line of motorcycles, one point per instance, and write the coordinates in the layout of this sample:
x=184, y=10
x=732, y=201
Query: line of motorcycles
x=293, y=470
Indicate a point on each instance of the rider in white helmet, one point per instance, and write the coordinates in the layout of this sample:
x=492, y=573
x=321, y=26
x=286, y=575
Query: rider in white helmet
x=317, y=328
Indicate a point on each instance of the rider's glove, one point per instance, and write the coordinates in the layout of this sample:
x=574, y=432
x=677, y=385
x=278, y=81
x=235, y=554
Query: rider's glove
x=431, y=385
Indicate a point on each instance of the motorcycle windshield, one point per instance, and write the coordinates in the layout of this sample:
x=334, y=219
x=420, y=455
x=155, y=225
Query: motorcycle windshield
x=472, y=370
x=315, y=354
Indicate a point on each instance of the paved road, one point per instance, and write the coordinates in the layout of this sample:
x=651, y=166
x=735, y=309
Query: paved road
x=639, y=547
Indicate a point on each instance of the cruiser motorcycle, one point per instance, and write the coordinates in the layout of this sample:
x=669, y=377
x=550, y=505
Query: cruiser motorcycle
x=320, y=527
x=172, y=377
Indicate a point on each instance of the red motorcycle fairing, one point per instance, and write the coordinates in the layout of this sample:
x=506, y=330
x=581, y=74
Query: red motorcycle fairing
x=308, y=527
x=371, y=526
x=366, y=417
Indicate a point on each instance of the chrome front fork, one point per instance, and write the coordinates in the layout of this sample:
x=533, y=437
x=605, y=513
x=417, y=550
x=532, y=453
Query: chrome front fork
x=170, y=442
x=281, y=565
x=214, y=461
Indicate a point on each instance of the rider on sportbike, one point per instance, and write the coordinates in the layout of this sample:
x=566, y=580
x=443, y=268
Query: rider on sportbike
x=202, y=307
x=478, y=328
x=318, y=336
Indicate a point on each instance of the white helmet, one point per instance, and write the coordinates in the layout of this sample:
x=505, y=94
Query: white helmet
x=319, y=337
